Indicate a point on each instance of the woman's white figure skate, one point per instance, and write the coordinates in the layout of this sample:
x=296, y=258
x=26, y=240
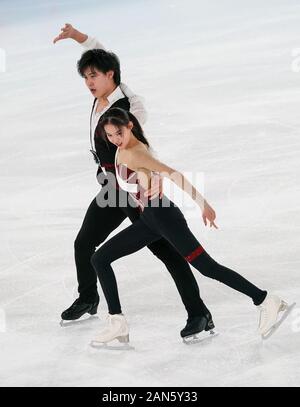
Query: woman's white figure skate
x=270, y=318
x=116, y=329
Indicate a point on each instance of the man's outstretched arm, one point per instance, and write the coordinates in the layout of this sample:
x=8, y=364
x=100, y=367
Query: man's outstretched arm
x=136, y=102
x=68, y=31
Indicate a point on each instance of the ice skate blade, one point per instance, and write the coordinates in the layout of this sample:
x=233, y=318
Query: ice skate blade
x=64, y=323
x=105, y=346
x=286, y=309
x=201, y=337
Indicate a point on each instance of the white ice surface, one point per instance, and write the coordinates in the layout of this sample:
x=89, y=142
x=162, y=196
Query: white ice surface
x=222, y=89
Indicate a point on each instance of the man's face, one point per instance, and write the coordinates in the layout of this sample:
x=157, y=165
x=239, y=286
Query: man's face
x=99, y=83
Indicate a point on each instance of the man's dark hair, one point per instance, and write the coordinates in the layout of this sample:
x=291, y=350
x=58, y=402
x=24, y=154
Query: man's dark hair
x=101, y=60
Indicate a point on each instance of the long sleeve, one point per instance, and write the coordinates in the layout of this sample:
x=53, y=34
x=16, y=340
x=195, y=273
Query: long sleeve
x=92, y=43
x=137, y=106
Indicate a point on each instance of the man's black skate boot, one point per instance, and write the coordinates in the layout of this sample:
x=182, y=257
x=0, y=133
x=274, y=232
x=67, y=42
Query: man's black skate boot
x=79, y=308
x=194, y=325
x=210, y=323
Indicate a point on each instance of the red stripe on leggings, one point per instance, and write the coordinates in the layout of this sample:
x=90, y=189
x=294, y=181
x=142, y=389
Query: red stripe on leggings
x=194, y=254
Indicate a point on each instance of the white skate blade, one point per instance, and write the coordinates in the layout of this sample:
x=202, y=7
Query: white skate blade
x=204, y=336
x=111, y=346
x=286, y=312
x=65, y=323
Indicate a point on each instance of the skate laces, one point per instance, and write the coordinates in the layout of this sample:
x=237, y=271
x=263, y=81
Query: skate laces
x=114, y=322
x=109, y=319
x=110, y=323
x=263, y=315
x=75, y=303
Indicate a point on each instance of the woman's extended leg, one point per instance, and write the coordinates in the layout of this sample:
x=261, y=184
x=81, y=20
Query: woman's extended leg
x=173, y=226
x=129, y=240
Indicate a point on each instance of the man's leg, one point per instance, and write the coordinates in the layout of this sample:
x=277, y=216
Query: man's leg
x=98, y=223
x=182, y=275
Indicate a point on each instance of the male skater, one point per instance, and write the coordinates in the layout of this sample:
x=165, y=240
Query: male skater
x=101, y=71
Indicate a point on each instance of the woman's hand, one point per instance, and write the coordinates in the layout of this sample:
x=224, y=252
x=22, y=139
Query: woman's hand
x=208, y=214
x=68, y=31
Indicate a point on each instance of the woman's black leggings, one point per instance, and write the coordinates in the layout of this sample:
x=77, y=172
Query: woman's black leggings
x=168, y=222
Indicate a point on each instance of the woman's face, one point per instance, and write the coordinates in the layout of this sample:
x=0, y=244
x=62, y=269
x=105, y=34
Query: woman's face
x=119, y=136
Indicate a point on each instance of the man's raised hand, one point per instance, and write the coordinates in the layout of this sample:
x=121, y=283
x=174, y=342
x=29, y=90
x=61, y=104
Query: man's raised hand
x=68, y=31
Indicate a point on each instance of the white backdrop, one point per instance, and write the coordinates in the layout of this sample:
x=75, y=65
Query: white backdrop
x=221, y=83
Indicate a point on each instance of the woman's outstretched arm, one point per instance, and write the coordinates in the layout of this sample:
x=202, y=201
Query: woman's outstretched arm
x=147, y=161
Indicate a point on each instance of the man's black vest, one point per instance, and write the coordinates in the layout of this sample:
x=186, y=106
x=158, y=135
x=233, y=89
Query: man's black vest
x=105, y=150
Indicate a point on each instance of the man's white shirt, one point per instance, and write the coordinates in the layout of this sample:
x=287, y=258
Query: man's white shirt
x=136, y=102
x=112, y=98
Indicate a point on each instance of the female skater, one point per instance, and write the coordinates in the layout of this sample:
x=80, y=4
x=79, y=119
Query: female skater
x=159, y=218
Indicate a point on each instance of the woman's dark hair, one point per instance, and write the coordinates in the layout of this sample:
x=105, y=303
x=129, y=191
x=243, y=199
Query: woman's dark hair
x=120, y=117
x=101, y=60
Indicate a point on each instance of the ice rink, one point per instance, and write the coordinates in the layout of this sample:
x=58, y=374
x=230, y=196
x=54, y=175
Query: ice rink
x=222, y=89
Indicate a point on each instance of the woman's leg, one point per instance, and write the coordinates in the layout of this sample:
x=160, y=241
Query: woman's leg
x=98, y=223
x=179, y=269
x=129, y=240
x=173, y=226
